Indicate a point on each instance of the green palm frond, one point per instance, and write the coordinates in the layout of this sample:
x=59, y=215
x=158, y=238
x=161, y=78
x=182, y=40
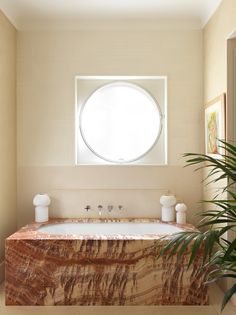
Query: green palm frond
x=228, y=295
x=198, y=240
x=218, y=253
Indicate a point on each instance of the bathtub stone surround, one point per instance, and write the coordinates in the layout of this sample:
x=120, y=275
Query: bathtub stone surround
x=31, y=232
x=43, y=269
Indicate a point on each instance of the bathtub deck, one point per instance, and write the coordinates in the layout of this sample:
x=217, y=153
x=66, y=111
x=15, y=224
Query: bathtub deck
x=49, y=270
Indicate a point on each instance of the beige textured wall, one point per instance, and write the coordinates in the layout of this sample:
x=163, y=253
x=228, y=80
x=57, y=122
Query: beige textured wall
x=215, y=35
x=47, y=64
x=7, y=132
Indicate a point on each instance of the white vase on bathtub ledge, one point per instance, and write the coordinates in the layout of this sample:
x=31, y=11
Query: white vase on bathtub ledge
x=167, y=210
x=41, y=203
x=181, y=209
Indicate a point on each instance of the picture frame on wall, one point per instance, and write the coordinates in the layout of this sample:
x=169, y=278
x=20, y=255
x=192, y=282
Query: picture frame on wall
x=215, y=126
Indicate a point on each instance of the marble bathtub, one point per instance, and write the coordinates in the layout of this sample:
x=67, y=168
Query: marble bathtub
x=98, y=269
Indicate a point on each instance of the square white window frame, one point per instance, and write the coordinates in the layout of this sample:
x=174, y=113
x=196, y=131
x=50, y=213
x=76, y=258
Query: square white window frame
x=155, y=85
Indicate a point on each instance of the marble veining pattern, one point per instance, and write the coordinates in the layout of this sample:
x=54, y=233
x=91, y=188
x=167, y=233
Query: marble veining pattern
x=44, y=269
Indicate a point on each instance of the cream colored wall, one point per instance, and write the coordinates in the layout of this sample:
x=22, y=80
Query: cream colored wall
x=215, y=35
x=7, y=133
x=47, y=64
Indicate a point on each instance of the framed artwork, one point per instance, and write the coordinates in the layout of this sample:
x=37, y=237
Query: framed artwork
x=215, y=126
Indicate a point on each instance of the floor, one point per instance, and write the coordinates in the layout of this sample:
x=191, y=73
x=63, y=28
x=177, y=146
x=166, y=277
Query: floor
x=212, y=309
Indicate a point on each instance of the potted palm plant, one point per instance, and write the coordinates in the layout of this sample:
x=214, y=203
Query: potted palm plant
x=219, y=252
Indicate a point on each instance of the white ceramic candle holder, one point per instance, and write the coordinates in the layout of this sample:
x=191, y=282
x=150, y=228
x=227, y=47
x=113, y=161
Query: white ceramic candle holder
x=181, y=209
x=167, y=211
x=41, y=203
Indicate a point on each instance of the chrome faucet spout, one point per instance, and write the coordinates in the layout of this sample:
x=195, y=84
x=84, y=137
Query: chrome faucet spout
x=100, y=210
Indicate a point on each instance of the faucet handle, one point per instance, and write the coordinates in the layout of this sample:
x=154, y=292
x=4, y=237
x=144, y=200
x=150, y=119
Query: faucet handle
x=87, y=208
x=120, y=207
x=110, y=208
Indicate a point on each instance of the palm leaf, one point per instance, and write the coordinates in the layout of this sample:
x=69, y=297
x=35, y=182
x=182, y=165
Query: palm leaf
x=195, y=248
x=228, y=296
x=171, y=247
x=231, y=248
x=211, y=239
x=218, y=253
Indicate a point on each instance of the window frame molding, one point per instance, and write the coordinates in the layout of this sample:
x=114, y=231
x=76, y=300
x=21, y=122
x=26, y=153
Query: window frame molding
x=113, y=79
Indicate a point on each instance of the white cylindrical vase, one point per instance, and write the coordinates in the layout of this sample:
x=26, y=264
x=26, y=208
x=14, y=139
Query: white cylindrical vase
x=41, y=214
x=167, y=211
x=181, y=209
x=41, y=203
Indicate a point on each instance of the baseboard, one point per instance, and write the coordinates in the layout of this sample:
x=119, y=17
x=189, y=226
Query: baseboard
x=2, y=271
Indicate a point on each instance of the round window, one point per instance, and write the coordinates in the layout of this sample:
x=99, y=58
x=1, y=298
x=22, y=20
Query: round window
x=120, y=122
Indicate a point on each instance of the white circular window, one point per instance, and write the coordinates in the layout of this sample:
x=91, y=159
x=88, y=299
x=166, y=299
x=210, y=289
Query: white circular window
x=120, y=122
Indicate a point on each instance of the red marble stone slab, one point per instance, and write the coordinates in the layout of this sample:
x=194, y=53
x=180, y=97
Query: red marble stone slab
x=44, y=269
x=30, y=231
